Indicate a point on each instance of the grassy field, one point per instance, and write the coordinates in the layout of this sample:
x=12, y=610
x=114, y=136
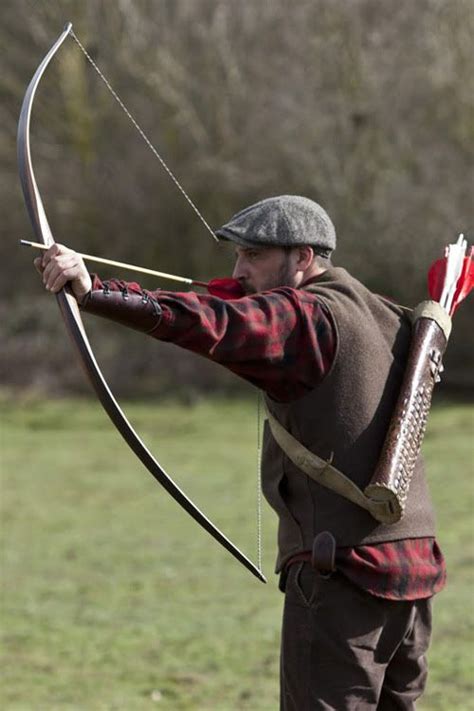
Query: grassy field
x=113, y=598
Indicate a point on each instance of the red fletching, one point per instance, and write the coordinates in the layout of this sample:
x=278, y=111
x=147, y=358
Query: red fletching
x=436, y=277
x=465, y=282
x=226, y=288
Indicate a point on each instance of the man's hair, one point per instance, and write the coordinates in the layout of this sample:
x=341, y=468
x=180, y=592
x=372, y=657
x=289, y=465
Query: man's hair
x=321, y=256
x=323, y=261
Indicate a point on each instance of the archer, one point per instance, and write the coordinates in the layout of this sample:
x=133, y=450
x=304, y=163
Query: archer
x=329, y=356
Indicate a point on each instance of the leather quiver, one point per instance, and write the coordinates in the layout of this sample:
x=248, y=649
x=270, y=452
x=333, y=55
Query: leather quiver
x=391, y=479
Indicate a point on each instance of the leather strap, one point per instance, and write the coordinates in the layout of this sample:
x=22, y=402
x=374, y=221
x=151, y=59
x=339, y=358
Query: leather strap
x=324, y=473
x=323, y=558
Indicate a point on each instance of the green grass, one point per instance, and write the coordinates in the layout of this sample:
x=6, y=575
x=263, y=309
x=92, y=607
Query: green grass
x=113, y=598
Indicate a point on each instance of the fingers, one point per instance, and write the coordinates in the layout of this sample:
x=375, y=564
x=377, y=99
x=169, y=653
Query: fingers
x=38, y=262
x=60, y=276
x=42, y=262
x=60, y=265
x=54, y=251
x=60, y=269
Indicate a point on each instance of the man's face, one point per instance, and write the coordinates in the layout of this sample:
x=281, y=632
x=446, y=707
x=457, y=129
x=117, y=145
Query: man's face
x=263, y=268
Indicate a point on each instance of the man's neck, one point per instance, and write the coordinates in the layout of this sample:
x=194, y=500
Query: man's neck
x=312, y=273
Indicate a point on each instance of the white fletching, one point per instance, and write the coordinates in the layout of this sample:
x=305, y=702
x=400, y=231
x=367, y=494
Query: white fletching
x=455, y=254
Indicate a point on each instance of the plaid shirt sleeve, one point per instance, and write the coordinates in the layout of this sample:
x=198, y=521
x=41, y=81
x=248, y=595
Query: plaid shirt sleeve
x=257, y=337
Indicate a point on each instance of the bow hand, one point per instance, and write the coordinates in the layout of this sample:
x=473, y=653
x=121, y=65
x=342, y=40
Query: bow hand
x=60, y=266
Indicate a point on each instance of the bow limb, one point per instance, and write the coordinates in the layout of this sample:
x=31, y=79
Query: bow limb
x=75, y=327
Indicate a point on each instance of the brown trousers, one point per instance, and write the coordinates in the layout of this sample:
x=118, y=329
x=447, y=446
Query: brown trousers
x=343, y=649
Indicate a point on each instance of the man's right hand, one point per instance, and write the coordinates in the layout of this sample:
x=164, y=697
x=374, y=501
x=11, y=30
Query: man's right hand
x=60, y=265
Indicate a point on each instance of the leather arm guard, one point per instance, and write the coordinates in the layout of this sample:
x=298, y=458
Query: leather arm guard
x=391, y=479
x=138, y=311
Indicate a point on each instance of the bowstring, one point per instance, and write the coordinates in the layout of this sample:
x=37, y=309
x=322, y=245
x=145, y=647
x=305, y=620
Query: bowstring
x=259, y=482
x=209, y=229
x=143, y=134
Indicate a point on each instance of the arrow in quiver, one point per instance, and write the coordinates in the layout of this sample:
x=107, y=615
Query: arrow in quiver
x=449, y=281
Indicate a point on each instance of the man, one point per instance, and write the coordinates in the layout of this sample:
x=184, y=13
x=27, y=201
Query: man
x=329, y=356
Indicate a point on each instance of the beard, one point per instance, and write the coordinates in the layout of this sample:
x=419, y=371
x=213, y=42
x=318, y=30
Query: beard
x=283, y=277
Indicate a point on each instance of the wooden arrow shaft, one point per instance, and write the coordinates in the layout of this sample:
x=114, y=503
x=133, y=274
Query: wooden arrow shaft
x=121, y=265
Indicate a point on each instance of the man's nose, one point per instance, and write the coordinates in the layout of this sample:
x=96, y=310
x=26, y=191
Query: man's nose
x=239, y=271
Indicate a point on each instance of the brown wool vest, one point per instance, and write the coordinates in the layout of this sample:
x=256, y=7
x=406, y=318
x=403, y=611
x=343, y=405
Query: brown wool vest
x=346, y=416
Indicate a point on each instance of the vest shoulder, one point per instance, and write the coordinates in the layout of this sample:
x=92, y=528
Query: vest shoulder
x=337, y=287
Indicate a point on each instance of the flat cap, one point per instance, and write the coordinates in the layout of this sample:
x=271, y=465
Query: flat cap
x=283, y=221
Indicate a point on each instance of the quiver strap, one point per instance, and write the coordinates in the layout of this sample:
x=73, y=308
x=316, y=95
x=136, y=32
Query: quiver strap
x=323, y=472
x=392, y=476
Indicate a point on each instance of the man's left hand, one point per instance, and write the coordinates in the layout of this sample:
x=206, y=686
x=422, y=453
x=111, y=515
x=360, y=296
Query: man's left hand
x=60, y=265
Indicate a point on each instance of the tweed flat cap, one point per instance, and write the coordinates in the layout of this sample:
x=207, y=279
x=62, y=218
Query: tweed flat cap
x=283, y=221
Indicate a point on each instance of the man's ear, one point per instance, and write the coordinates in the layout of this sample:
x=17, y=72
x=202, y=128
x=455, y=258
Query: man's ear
x=305, y=257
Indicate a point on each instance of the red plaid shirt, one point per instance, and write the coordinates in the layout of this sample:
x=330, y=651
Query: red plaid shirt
x=256, y=337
